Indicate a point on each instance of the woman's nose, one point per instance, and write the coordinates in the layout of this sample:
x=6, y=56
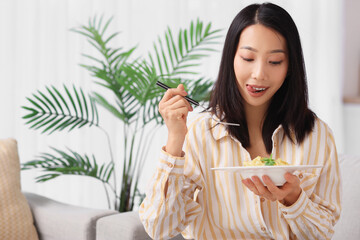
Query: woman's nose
x=258, y=72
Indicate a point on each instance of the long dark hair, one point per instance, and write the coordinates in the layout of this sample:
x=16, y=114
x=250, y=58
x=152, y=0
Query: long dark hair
x=289, y=105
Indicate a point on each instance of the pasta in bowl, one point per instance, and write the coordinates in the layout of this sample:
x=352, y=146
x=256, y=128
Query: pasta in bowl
x=261, y=161
x=261, y=166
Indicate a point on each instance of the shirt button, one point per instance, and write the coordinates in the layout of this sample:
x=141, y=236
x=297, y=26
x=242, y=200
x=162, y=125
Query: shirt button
x=262, y=199
x=285, y=213
x=300, y=175
x=170, y=165
x=275, y=144
x=263, y=229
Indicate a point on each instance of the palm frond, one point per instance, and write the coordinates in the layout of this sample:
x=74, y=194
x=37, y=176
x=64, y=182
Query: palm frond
x=199, y=89
x=95, y=33
x=69, y=163
x=108, y=68
x=140, y=83
x=53, y=111
x=118, y=110
x=173, y=58
x=169, y=63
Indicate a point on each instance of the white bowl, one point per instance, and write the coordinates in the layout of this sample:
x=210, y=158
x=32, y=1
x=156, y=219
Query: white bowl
x=276, y=173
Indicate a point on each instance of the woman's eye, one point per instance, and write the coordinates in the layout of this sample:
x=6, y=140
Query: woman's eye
x=247, y=59
x=275, y=62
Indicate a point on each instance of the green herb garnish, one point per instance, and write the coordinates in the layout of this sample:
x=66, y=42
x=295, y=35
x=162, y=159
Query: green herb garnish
x=268, y=161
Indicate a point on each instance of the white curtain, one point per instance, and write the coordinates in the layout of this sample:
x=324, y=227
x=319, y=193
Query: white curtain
x=38, y=50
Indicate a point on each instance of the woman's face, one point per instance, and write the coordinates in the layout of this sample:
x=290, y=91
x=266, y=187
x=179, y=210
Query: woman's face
x=260, y=64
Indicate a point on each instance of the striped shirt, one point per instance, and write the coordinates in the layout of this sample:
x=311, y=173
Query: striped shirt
x=185, y=196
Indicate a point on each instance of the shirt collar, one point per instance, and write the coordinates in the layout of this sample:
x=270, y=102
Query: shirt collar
x=218, y=130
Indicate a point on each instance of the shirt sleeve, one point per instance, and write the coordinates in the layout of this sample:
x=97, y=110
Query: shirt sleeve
x=169, y=205
x=314, y=216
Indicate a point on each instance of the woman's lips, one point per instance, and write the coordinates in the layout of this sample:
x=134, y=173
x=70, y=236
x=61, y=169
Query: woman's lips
x=256, y=90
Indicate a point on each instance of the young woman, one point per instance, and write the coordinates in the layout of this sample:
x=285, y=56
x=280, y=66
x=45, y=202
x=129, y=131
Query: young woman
x=261, y=86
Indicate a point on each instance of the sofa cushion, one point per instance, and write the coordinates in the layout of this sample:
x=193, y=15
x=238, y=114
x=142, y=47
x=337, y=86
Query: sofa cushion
x=124, y=226
x=16, y=221
x=59, y=221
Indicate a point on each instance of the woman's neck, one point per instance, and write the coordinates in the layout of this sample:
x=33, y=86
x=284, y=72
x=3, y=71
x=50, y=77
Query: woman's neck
x=255, y=116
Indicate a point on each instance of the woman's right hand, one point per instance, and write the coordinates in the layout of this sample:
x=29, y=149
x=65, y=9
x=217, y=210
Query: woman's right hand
x=174, y=109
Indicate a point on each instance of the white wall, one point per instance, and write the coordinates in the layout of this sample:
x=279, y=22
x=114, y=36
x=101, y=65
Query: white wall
x=38, y=49
x=351, y=86
x=352, y=129
x=351, y=75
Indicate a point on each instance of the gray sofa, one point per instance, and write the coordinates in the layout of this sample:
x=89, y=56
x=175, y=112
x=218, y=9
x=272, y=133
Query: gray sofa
x=58, y=221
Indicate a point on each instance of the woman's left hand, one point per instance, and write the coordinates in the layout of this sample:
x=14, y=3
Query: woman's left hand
x=287, y=194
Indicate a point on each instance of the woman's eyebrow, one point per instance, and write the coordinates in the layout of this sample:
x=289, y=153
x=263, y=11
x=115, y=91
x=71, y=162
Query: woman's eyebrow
x=255, y=50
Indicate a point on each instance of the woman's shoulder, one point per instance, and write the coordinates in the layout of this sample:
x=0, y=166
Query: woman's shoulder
x=321, y=128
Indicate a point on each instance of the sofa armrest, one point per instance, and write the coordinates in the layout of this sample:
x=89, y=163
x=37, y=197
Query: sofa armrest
x=59, y=221
x=124, y=226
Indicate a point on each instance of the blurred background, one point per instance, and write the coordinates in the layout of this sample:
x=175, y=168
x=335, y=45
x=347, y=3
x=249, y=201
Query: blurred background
x=37, y=49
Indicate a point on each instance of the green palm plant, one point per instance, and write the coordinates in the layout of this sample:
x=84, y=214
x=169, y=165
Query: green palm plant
x=135, y=97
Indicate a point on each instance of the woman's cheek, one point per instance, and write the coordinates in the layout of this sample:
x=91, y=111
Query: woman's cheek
x=279, y=74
